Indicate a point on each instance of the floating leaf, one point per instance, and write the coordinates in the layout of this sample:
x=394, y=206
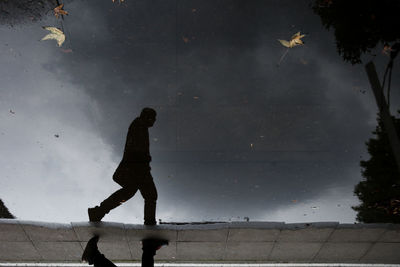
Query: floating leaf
x=56, y=34
x=58, y=11
x=294, y=41
x=284, y=43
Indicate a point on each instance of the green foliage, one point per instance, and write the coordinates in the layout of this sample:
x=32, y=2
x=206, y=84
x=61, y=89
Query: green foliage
x=379, y=192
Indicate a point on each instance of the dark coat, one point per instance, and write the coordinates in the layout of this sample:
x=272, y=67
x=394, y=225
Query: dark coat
x=135, y=163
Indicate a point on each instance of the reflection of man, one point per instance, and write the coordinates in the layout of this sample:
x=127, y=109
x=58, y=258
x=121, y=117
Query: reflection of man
x=92, y=255
x=133, y=173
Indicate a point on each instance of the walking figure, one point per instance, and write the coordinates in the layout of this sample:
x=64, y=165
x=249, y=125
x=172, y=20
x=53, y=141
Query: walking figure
x=133, y=173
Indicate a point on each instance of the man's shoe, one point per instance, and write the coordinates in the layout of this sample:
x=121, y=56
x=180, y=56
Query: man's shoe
x=154, y=244
x=95, y=214
x=90, y=250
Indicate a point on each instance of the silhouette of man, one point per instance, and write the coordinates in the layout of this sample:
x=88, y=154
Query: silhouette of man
x=92, y=255
x=133, y=173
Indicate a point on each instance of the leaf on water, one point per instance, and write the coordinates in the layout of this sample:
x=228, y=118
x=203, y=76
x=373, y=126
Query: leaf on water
x=59, y=11
x=55, y=34
x=284, y=43
x=294, y=41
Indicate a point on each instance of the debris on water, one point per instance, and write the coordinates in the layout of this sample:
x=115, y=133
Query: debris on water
x=69, y=50
x=294, y=41
x=55, y=34
x=58, y=11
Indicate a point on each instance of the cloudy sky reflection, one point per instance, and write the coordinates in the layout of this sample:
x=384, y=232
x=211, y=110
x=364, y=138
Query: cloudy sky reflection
x=236, y=135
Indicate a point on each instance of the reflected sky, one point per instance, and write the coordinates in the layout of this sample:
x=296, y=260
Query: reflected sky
x=236, y=135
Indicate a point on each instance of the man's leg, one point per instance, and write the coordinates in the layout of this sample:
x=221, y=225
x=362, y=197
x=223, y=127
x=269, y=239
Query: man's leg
x=149, y=250
x=92, y=255
x=113, y=201
x=149, y=192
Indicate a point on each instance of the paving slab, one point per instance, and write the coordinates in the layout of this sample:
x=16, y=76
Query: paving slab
x=357, y=233
x=392, y=234
x=59, y=251
x=206, y=233
x=22, y=241
x=383, y=252
x=11, y=230
x=306, y=232
x=41, y=231
x=253, y=235
x=200, y=251
x=295, y=251
x=254, y=231
x=18, y=251
x=248, y=250
x=346, y=252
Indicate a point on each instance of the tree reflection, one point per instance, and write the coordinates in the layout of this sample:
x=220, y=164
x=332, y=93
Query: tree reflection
x=380, y=191
x=359, y=27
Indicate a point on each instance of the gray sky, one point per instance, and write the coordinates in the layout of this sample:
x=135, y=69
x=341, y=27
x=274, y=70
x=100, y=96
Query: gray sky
x=236, y=136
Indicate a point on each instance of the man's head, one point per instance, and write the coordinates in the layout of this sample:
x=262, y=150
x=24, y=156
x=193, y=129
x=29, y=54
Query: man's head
x=148, y=116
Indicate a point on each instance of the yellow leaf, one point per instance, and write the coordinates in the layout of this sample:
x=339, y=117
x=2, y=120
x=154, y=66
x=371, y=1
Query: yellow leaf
x=294, y=41
x=55, y=34
x=284, y=43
